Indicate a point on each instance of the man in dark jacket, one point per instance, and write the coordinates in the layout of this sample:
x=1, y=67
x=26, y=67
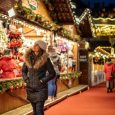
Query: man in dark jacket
x=34, y=71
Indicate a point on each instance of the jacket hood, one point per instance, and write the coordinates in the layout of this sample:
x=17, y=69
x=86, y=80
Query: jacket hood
x=40, y=61
x=54, y=56
x=109, y=63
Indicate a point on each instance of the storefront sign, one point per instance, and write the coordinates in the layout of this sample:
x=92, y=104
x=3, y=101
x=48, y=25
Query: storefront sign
x=33, y=4
x=83, y=66
x=83, y=58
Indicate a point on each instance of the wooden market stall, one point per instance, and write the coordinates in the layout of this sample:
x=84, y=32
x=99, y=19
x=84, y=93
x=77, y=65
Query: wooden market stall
x=32, y=22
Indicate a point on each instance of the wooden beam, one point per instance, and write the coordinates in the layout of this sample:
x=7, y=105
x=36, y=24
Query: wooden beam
x=32, y=36
x=29, y=31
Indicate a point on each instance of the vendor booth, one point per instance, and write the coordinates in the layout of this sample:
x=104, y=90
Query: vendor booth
x=19, y=32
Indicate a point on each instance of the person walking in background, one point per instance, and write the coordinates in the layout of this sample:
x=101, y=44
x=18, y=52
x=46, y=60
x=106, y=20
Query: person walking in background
x=52, y=84
x=109, y=80
x=113, y=69
x=34, y=70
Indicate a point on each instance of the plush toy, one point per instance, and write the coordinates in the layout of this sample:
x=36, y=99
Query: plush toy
x=8, y=65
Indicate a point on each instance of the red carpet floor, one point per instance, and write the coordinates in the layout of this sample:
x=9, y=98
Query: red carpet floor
x=94, y=101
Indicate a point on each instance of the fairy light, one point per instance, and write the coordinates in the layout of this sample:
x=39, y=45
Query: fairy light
x=23, y=23
x=19, y=22
x=100, y=18
x=73, y=6
x=104, y=29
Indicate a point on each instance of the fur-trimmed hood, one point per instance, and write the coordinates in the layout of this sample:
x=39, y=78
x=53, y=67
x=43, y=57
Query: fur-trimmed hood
x=109, y=63
x=40, y=61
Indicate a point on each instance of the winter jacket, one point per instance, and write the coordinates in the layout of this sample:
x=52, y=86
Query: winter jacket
x=108, y=69
x=113, y=69
x=7, y=65
x=34, y=71
x=55, y=61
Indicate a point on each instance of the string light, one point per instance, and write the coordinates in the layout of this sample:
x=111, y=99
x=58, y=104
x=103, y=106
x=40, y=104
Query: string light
x=105, y=30
x=20, y=22
x=100, y=18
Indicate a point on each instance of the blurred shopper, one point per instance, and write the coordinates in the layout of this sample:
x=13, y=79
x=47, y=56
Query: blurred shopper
x=34, y=71
x=52, y=84
x=113, y=69
x=108, y=66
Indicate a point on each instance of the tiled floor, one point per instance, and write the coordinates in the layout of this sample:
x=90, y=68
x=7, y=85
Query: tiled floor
x=26, y=109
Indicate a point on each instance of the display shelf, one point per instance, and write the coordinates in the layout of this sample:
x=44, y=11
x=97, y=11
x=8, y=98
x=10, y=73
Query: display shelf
x=10, y=79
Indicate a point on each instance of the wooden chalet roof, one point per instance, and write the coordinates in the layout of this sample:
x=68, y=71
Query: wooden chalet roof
x=60, y=11
x=6, y=5
x=85, y=28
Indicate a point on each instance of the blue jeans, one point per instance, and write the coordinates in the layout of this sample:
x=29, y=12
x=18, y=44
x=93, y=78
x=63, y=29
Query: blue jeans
x=38, y=108
x=52, y=87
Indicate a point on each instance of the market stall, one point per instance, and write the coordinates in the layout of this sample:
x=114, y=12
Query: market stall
x=104, y=48
x=15, y=38
x=19, y=33
x=97, y=61
x=66, y=51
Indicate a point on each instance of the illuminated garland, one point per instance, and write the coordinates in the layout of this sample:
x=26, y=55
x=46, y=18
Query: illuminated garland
x=70, y=75
x=100, y=18
x=39, y=19
x=11, y=85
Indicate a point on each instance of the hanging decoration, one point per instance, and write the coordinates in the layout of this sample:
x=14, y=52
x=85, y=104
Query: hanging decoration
x=68, y=76
x=33, y=4
x=15, y=42
x=28, y=14
x=100, y=55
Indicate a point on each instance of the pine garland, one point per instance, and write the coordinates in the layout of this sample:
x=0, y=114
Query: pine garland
x=70, y=75
x=11, y=85
x=28, y=14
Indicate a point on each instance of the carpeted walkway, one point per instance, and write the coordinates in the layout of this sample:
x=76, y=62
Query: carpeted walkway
x=94, y=101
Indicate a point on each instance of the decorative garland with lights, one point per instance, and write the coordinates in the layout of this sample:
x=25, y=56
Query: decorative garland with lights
x=11, y=85
x=108, y=30
x=28, y=14
x=56, y=28
x=70, y=75
x=105, y=19
x=39, y=19
x=100, y=56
